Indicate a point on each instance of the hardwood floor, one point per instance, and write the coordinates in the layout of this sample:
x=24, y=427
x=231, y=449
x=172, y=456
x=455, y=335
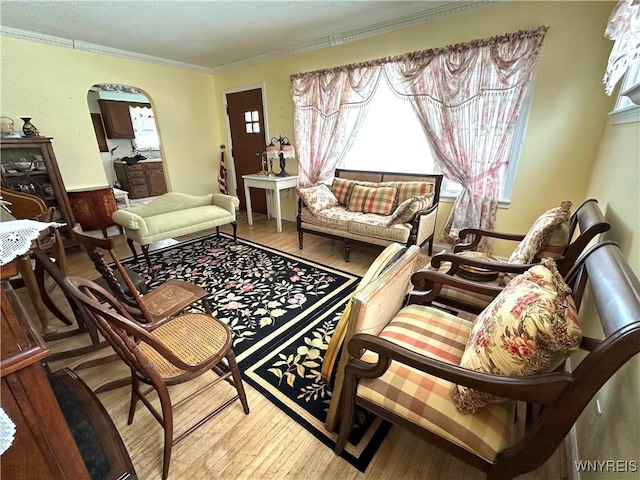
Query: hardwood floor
x=266, y=444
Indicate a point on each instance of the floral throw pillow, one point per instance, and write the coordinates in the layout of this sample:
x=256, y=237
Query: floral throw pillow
x=317, y=197
x=540, y=233
x=406, y=211
x=530, y=327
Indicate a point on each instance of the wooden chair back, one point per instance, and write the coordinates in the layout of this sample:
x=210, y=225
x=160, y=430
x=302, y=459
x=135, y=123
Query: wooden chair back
x=23, y=205
x=130, y=295
x=589, y=220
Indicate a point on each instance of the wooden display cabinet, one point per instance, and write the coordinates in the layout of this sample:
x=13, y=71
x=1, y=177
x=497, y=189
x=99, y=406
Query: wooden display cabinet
x=30, y=166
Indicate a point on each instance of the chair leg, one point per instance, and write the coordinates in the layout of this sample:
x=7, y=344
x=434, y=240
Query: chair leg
x=348, y=401
x=235, y=230
x=237, y=381
x=217, y=231
x=167, y=417
x=135, y=385
x=206, y=305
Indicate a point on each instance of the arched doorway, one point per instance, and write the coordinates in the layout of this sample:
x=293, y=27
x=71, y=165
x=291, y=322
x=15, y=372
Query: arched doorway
x=128, y=139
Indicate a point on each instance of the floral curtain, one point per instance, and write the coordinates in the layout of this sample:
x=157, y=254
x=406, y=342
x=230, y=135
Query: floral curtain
x=468, y=98
x=328, y=108
x=624, y=29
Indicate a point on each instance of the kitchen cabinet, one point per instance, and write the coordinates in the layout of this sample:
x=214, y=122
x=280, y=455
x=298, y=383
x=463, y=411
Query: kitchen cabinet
x=142, y=179
x=116, y=117
x=29, y=165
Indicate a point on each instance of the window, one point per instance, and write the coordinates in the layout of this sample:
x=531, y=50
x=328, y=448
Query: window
x=391, y=139
x=144, y=126
x=625, y=111
x=251, y=122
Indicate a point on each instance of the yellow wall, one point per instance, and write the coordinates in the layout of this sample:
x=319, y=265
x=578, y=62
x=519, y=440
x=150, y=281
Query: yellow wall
x=50, y=84
x=568, y=112
x=615, y=182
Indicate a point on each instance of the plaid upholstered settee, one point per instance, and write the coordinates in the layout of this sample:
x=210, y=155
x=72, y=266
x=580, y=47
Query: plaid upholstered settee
x=378, y=208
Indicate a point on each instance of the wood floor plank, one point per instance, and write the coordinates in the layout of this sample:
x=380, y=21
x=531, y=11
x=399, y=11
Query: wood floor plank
x=266, y=444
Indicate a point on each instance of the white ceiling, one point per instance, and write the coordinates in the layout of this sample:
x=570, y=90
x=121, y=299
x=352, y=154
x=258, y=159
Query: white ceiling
x=212, y=35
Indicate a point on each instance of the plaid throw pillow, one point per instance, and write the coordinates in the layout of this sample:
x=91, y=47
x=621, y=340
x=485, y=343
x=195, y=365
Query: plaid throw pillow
x=372, y=200
x=407, y=210
x=341, y=188
x=407, y=190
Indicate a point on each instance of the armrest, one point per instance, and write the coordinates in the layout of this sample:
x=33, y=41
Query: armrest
x=542, y=388
x=227, y=202
x=130, y=220
x=428, y=284
x=458, y=260
x=477, y=236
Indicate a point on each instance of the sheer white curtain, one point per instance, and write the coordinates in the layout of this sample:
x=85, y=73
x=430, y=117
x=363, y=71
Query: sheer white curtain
x=144, y=126
x=328, y=107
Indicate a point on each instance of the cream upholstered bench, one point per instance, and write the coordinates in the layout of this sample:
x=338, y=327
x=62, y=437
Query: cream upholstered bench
x=175, y=214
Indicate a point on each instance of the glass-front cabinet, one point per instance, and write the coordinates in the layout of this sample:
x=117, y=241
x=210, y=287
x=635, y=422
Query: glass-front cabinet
x=29, y=165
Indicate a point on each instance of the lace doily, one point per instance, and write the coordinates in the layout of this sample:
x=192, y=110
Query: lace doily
x=7, y=431
x=16, y=237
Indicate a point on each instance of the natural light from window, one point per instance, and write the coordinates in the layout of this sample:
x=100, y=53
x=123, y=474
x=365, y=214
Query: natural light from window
x=391, y=139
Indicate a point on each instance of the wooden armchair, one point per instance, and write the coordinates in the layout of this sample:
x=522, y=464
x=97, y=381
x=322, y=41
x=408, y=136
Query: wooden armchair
x=151, y=308
x=585, y=224
x=181, y=349
x=421, y=358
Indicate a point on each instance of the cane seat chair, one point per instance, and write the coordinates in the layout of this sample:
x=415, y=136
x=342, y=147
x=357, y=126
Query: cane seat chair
x=406, y=369
x=181, y=349
x=564, y=240
x=151, y=308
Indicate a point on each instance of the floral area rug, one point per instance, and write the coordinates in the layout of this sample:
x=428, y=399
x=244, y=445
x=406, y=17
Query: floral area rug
x=282, y=310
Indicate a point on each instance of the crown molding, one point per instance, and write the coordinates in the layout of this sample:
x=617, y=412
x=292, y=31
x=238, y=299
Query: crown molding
x=354, y=35
x=94, y=48
x=330, y=41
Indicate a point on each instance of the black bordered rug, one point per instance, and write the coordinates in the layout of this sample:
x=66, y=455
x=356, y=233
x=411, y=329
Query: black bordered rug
x=282, y=310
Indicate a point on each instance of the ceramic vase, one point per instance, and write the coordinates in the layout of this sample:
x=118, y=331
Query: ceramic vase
x=29, y=129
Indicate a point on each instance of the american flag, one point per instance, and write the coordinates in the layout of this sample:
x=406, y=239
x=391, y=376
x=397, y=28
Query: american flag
x=222, y=176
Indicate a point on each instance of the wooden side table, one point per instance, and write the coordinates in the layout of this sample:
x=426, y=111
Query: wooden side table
x=93, y=207
x=272, y=185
